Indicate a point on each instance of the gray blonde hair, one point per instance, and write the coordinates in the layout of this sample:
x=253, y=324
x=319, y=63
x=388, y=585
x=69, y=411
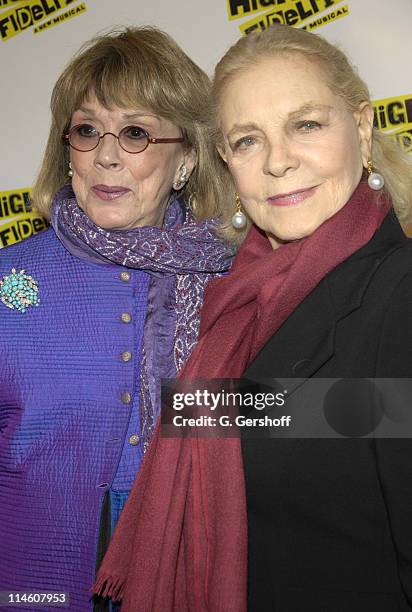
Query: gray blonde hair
x=342, y=78
x=129, y=68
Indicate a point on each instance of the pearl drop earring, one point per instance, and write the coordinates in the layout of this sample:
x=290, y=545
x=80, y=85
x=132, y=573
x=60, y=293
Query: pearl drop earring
x=239, y=218
x=375, y=180
x=70, y=171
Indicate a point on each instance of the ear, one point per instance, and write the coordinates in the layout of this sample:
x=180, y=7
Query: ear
x=221, y=150
x=364, y=118
x=189, y=160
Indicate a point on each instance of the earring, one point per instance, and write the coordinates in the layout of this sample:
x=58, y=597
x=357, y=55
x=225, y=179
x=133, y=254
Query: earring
x=239, y=218
x=190, y=202
x=181, y=181
x=70, y=171
x=375, y=180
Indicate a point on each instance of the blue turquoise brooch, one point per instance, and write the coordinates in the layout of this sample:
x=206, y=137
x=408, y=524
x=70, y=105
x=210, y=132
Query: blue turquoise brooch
x=19, y=291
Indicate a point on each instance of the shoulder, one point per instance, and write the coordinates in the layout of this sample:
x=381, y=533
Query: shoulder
x=390, y=282
x=393, y=286
x=370, y=274
x=32, y=251
x=393, y=272
x=29, y=244
x=388, y=255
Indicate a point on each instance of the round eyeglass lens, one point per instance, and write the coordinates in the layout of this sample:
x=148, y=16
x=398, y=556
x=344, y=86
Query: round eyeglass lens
x=84, y=137
x=133, y=139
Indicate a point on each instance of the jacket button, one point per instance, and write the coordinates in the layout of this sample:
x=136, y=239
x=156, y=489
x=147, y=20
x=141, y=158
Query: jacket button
x=126, y=398
x=126, y=317
x=126, y=356
x=125, y=276
x=134, y=440
x=299, y=366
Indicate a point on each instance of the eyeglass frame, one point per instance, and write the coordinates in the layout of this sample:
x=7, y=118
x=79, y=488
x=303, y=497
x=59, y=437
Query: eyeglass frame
x=150, y=140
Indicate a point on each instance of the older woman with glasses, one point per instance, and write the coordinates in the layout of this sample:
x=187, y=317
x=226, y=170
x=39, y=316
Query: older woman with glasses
x=95, y=310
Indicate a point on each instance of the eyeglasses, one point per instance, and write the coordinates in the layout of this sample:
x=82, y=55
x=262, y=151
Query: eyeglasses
x=132, y=138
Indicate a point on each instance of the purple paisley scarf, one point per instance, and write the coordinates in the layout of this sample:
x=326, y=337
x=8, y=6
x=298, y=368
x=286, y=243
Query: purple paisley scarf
x=183, y=256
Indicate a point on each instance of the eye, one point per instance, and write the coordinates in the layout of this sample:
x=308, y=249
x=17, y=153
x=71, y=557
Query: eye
x=307, y=126
x=85, y=130
x=134, y=132
x=243, y=143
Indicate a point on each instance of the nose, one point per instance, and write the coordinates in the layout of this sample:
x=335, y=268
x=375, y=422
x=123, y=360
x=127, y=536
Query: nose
x=280, y=157
x=108, y=152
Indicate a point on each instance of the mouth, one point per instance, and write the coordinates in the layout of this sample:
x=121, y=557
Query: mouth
x=106, y=192
x=294, y=197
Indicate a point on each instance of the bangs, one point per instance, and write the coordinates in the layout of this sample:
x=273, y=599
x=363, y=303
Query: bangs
x=114, y=82
x=117, y=79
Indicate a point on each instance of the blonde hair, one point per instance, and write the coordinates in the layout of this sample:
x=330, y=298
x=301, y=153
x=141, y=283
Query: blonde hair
x=342, y=78
x=129, y=68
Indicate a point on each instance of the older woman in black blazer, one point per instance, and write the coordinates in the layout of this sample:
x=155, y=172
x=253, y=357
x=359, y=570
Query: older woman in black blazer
x=321, y=287
x=329, y=521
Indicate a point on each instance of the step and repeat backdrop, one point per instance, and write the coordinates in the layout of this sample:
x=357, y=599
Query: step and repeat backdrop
x=38, y=37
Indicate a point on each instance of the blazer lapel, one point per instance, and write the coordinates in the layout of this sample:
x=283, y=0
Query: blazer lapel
x=306, y=340
x=303, y=343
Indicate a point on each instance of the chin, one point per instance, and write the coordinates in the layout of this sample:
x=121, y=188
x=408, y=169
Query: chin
x=297, y=231
x=288, y=235
x=116, y=226
x=107, y=222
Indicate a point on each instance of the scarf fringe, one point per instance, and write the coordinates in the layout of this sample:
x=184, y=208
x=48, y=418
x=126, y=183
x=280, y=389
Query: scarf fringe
x=109, y=586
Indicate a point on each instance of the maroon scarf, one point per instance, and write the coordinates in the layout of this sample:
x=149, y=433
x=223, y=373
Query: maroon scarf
x=181, y=541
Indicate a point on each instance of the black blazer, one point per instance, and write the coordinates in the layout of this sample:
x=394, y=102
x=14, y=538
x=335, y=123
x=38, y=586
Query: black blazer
x=330, y=520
